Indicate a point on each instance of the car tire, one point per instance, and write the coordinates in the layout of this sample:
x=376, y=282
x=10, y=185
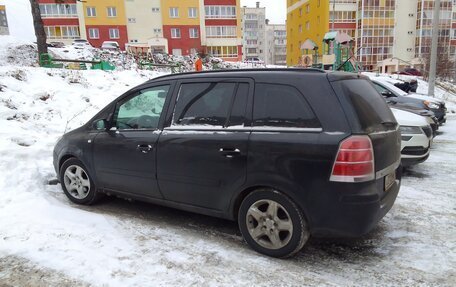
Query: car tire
x=272, y=224
x=77, y=184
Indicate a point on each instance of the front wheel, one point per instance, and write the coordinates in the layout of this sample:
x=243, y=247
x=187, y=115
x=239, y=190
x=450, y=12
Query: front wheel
x=272, y=224
x=76, y=182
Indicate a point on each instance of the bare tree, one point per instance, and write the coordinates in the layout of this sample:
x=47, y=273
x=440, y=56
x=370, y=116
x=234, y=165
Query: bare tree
x=39, y=27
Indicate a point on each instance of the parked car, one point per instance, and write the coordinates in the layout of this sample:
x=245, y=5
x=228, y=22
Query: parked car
x=408, y=86
x=81, y=44
x=416, y=137
x=396, y=95
x=110, y=45
x=410, y=71
x=56, y=44
x=288, y=153
x=254, y=60
x=430, y=117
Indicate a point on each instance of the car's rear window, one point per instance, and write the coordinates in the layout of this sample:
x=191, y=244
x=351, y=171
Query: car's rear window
x=372, y=111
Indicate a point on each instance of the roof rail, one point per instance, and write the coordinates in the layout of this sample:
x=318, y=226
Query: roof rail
x=292, y=69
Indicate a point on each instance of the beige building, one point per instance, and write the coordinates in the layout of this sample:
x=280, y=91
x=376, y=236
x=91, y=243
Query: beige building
x=254, y=32
x=145, y=25
x=276, y=44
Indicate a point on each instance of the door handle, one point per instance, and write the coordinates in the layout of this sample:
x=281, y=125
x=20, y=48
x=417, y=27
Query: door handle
x=144, y=148
x=229, y=152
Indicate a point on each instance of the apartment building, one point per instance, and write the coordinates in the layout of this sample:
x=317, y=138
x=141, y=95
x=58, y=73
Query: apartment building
x=342, y=16
x=254, y=30
x=306, y=19
x=181, y=26
x=276, y=44
x=61, y=21
x=424, y=26
x=144, y=24
x=375, y=36
x=398, y=31
x=221, y=28
x=104, y=21
x=3, y=21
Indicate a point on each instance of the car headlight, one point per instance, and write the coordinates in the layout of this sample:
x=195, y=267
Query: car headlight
x=431, y=105
x=410, y=130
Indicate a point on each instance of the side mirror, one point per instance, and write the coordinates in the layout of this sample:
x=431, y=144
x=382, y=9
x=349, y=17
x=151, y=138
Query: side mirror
x=387, y=94
x=100, y=125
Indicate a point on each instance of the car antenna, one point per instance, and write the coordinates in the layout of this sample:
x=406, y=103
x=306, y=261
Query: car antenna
x=74, y=116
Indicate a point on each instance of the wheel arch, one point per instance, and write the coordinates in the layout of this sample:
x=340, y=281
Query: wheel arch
x=285, y=188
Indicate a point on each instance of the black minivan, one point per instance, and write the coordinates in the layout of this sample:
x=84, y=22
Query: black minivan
x=288, y=153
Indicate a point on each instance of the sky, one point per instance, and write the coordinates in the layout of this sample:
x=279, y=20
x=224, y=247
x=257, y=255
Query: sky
x=21, y=24
x=276, y=10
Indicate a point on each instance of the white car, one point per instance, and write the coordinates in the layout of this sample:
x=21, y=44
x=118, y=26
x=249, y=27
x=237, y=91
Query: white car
x=416, y=137
x=110, y=45
x=81, y=44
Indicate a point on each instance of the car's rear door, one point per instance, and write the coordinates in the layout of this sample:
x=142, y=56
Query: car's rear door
x=125, y=156
x=202, y=153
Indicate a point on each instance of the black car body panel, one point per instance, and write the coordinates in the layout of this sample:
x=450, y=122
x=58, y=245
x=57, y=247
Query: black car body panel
x=209, y=168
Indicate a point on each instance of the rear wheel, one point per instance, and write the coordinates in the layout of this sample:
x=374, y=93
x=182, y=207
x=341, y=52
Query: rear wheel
x=272, y=224
x=76, y=182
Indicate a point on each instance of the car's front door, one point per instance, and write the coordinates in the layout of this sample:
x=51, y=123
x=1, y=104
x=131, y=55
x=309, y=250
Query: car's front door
x=125, y=155
x=202, y=154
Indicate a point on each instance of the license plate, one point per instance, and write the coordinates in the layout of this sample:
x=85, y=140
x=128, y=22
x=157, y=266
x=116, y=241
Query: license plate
x=389, y=180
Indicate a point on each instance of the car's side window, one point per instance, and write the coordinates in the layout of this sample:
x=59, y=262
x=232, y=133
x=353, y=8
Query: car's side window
x=203, y=104
x=143, y=110
x=282, y=106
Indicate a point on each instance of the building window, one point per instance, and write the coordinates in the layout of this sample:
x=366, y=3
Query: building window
x=307, y=8
x=300, y=28
x=175, y=33
x=174, y=12
x=62, y=32
x=300, y=11
x=155, y=9
x=91, y=12
x=94, y=33
x=192, y=12
x=131, y=20
x=223, y=51
x=114, y=33
x=307, y=25
x=222, y=12
x=112, y=12
x=221, y=31
x=193, y=33
x=57, y=10
x=157, y=30
x=177, y=52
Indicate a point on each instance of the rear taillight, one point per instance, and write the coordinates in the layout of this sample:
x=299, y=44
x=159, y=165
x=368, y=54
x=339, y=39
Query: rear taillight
x=354, y=161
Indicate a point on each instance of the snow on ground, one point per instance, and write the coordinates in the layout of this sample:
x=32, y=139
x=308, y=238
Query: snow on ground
x=118, y=243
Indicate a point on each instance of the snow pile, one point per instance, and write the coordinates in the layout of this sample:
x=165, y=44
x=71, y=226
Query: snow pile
x=16, y=52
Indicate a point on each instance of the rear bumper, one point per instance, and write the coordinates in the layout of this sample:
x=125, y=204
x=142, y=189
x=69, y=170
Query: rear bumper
x=355, y=214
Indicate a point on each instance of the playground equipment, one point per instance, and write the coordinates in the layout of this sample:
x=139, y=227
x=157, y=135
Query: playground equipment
x=337, y=53
x=47, y=61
